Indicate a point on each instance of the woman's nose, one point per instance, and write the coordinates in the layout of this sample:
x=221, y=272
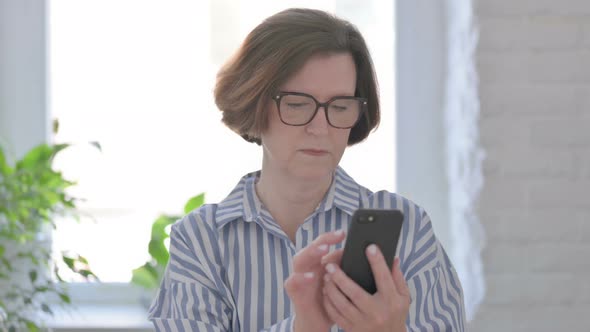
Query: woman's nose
x=319, y=124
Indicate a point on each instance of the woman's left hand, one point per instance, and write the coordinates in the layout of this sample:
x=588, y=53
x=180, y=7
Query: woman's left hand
x=355, y=310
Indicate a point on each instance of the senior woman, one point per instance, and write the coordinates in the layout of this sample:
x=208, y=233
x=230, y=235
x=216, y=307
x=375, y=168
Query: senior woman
x=302, y=86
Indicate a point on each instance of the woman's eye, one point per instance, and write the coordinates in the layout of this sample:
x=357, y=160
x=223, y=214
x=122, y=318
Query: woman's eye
x=339, y=108
x=297, y=105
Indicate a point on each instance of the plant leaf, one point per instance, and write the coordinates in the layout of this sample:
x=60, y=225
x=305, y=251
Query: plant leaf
x=41, y=289
x=41, y=154
x=146, y=276
x=46, y=308
x=159, y=226
x=156, y=246
x=57, y=275
x=64, y=297
x=33, y=276
x=194, y=203
x=159, y=251
x=69, y=262
x=56, y=148
x=7, y=263
x=32, y=326
x=4, y=168
x=86, y=273
x=96, y=144
x=55, y=126
x=82, y=259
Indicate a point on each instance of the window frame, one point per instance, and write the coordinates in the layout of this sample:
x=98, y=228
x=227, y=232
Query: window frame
x=32, y=118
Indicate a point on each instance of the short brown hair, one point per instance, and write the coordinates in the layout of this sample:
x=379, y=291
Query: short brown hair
x=273, y=52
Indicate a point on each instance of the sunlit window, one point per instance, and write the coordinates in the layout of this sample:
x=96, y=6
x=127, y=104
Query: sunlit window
x=137, y=76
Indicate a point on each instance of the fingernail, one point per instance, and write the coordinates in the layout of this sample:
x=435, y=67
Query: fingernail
x=330, y=268
x=323, y=247
x=308, y=275
x=372, y=249
x=339, y=232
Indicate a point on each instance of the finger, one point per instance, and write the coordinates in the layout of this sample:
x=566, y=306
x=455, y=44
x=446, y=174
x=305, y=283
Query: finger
x=298, y=286
x=334, y=314
x=399, y=280
x=357, y=295
x=381, y=272
x=310, y=256
x=340, y=301
x=333, y=257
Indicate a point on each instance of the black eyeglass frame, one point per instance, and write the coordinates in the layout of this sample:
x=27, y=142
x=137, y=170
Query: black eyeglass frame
x=278, y=96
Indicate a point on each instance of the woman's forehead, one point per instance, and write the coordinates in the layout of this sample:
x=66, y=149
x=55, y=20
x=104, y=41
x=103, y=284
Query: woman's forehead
x=324, y=76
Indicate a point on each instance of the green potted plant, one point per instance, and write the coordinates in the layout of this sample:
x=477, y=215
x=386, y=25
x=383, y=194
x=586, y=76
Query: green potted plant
x=150, y=274
x=32, y=195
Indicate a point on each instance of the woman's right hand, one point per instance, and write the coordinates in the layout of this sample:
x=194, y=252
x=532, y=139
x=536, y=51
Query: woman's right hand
x=304, y=285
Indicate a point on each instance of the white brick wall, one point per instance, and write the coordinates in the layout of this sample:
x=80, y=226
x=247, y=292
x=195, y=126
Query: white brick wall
x=534, y=67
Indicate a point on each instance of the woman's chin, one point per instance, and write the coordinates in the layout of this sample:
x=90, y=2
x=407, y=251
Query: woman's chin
x=314, y=172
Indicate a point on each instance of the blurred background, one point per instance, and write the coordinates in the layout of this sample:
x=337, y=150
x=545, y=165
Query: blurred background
x=485, y=123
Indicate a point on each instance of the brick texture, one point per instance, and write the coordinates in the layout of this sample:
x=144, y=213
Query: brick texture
x=533, y=60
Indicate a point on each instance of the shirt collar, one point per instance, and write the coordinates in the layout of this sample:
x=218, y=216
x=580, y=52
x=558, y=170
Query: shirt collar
x=343, y=194
x=242, y=202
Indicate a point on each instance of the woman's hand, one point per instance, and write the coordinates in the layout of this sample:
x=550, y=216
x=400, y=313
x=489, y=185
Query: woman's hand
x=355, y=310
x=304, y=285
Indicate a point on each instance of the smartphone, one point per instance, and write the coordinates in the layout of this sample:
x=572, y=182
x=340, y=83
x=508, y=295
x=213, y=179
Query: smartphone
x=381, y=227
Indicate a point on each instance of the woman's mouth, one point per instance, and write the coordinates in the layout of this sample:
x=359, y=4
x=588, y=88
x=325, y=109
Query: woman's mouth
x=315, y=152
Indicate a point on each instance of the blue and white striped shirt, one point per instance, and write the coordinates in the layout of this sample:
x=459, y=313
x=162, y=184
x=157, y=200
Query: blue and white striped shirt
x=228, y=263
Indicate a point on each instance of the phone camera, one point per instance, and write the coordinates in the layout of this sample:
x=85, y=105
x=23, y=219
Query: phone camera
x=366, y=219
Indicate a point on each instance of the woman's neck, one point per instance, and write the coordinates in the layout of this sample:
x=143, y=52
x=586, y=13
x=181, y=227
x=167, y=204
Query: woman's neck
x=290, y=200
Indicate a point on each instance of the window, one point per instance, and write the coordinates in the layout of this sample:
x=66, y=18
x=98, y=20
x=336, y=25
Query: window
x=137, y=76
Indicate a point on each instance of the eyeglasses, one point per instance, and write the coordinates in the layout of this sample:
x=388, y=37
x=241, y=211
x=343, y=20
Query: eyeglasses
x=298, y=109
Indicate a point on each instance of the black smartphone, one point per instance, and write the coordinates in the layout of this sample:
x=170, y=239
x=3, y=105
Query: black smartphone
x=381, y=227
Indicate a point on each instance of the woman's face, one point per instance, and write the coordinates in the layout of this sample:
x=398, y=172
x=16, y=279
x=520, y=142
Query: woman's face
x=315, y=149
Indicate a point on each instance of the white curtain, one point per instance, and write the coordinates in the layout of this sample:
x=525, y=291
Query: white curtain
x=464, y=153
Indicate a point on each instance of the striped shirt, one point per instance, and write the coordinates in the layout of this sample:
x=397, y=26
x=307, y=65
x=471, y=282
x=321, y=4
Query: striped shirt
x=228, y=263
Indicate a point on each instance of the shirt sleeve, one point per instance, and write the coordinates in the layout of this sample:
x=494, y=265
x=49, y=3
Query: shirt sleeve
x=189, y=298
x=437, y=296
x=192, y=296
